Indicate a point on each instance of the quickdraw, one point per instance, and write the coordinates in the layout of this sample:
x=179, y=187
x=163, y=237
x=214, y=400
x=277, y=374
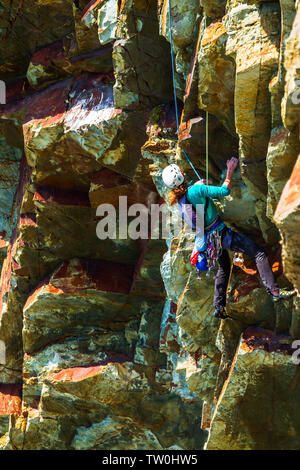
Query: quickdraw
x=214, y=249
x=206, y=260
x=238, y=260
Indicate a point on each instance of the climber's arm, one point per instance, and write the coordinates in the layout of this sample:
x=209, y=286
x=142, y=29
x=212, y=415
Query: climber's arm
x=231, y=166
x=202, y=190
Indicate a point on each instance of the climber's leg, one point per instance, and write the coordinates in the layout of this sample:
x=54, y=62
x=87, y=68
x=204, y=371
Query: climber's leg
x=222, y=279
x=243, y=244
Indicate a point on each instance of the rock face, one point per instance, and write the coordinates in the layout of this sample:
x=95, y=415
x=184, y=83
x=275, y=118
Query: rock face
x=235, y=422
x=109, y=342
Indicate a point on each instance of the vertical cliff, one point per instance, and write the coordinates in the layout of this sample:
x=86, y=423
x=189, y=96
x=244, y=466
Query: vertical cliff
x=111, y=343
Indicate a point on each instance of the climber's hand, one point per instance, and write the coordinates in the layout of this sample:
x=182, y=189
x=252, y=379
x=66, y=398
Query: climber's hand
x=204, y=181
x=232, y=164
x=207, y=182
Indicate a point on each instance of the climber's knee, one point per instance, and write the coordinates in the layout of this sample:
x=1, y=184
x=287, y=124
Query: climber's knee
x=260, y=255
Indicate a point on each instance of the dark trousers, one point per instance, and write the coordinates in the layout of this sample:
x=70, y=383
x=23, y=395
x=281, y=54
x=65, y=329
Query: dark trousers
x=242, y=244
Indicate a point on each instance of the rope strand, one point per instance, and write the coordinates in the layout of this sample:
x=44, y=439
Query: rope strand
x=206, y=163
x=173, y=68
x=175, y=95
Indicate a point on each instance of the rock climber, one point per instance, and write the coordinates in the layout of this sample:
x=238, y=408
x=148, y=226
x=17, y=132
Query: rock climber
x=222, y=237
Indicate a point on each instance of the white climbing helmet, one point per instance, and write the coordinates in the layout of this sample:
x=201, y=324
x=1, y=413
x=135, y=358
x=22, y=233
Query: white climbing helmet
x=172, y=176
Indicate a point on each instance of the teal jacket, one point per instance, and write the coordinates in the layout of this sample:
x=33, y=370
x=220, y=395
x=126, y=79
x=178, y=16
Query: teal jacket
x=197, y=193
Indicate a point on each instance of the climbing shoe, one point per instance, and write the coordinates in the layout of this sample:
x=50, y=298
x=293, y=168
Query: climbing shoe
x=283, y=294
x=220, y=312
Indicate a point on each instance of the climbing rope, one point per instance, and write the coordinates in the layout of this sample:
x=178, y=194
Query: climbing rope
x=206, y=159
x=175, y=96
x=173, y=68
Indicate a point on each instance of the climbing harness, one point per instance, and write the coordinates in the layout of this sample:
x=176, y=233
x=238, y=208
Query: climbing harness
x=207, y=246
x=175, y=96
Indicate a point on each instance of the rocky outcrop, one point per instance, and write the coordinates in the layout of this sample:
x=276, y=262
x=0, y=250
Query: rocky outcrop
x=287, y=218
x=109, y=342
x=235, y=424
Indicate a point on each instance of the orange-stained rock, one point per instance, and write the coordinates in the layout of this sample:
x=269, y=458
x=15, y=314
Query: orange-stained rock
x=76, y=122
x=70, y=107
x=76, y=374
x=284, y=148
x=10, y=399
x=213, y=33
x=290, y=104
x=287, y=218
x=78, y=275
x=290, y=197
x=101, y=300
